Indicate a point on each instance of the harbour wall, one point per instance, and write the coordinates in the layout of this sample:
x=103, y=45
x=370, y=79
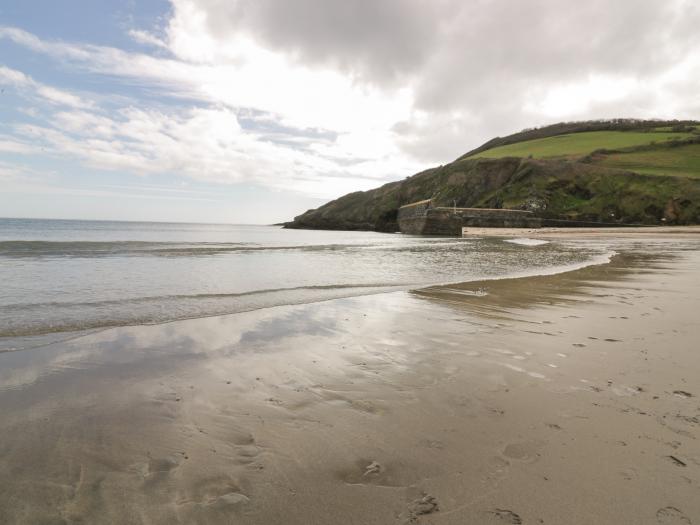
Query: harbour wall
x=421, y=218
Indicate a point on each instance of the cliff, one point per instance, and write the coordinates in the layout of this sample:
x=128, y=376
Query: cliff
x=650, y=175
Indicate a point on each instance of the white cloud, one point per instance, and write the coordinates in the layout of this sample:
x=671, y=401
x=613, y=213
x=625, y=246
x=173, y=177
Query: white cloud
x=11, y=145
x=28, y=86
x=205, y=144
x=327, y=96
x=144, y=37
x=208, y=143
x=573, y=99
x=298, y=95
x=14, y=173
x=61, y=98
x=14, y=78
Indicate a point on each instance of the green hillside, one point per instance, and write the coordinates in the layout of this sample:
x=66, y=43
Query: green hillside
x=578, y=144
x=621, y=171
x=681, y=161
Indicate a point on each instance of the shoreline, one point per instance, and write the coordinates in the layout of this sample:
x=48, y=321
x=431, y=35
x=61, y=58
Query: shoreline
x=620, y=232
x=71, y=334
x=548, y=399
x=34, y=334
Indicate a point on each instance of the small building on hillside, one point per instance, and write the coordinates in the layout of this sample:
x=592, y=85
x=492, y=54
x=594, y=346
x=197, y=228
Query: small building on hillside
x=422, y=218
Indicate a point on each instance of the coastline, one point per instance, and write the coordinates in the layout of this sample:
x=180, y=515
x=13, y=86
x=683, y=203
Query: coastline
x=574, y=233
x=549, y=399
x=137, y=282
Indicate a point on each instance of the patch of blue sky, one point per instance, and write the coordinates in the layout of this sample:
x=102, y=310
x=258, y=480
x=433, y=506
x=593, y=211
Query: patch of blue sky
x=133, y=149
x=110, y=91
x=100, y=22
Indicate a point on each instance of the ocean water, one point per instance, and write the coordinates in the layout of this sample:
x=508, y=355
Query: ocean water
x=59, y=278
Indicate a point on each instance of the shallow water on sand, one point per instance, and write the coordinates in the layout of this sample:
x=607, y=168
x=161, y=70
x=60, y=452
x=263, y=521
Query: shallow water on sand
x=558, y=399
x=62, y=277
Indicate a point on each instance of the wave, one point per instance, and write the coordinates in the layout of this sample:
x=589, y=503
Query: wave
x=52, y=299
x=57, y=317
x=525, y=241
x=33, y=249
x=601, y=259
x=159, y=298
x=96, y=249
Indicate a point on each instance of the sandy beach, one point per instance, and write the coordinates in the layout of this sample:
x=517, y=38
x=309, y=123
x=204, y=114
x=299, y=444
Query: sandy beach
x=572, y=233
x=563, y=399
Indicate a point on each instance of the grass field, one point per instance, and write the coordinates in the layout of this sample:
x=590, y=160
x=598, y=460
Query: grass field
x=683, y=161
x=579, y=144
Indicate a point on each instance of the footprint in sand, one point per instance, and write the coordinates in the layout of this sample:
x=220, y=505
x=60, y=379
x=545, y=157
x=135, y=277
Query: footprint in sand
x=247, y=454
x=682, y=394
x=372, y=469
x=507, y=516
x=663, y=421
x=367, y=407
x=462, y=401
x=629, y=474
x=426, y=504
x=527, y=451
x=432, y=443
x=689, y=420
x=162, y=465
x=158, y=470
x=672, y=516
x=241, y=437
x=218, y=492
x=499, y=464
x=367, y=472
x=230, y=500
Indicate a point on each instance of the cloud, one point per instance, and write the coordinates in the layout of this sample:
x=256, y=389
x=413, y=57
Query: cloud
x=16, y=173
x=284, y=143
x=144, y=37
x=323, y=97
x=27, y=86
x=298, y=95
x=470, y=69
x=372, y=40
x=10, y=145
x=202, y=143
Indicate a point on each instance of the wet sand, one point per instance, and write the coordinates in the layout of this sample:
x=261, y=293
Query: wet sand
x=574, y=233
x=565, y=399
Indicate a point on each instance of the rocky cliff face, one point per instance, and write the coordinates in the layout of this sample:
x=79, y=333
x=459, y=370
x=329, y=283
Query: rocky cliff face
x=552, y=188
x=466, y=181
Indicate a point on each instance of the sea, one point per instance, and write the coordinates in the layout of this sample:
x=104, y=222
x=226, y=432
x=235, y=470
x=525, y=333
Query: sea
x=62, y=278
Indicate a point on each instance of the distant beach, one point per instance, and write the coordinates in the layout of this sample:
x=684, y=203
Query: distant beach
x=582, y=233
x=564, y=398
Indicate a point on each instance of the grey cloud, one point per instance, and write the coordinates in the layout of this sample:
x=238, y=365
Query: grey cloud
x=374, y=40
x=268, y=124
x=472, y=63
x=502, y=47
x=450, y=45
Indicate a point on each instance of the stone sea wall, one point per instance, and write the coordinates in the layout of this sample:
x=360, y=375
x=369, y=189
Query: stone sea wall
x=422, y=219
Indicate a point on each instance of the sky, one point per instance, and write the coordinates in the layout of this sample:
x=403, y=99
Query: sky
x=253, y=111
